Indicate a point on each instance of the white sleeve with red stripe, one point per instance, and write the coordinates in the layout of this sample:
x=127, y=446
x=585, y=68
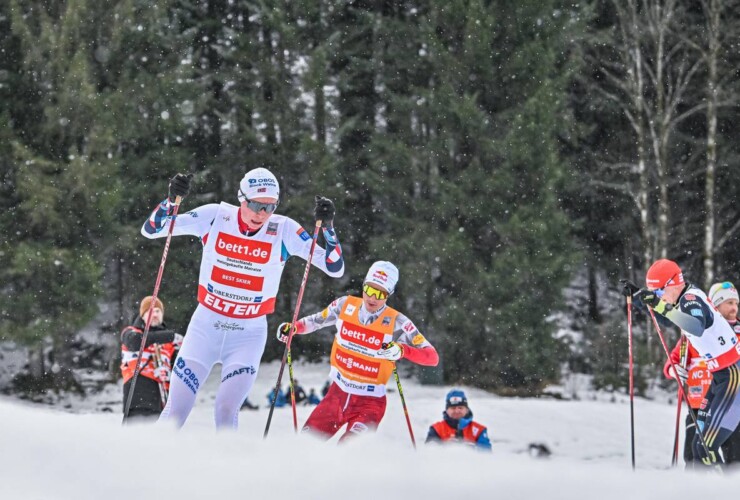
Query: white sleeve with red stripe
x=298, y=242
x=196, y=222
x=327, y=317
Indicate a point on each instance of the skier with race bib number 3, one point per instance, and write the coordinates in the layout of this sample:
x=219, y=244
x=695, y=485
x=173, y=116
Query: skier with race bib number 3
x=244, y=253
x=688, y=307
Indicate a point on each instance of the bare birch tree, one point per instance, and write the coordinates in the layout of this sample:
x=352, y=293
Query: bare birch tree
x=720, y=17
x=649, y=78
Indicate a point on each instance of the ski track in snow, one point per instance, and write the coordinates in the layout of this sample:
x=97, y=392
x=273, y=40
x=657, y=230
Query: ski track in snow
x=53, y=454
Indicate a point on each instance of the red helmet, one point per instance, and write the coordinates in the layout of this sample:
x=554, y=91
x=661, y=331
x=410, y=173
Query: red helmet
x=664, y=273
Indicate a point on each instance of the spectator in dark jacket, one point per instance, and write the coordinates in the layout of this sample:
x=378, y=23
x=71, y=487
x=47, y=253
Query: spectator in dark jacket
x=281, y=400
x=300, y=393
x=160, y=351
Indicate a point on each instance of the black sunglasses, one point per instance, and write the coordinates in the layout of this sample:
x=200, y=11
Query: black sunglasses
x=256, y=206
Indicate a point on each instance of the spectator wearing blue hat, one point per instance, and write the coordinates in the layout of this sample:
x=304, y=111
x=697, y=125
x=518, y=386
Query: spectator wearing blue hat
x=458, y=425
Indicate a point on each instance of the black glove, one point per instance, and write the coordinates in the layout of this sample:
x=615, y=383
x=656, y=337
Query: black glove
x=324, y=211
x=648, y=297
x=179, y=186
x=629, y=288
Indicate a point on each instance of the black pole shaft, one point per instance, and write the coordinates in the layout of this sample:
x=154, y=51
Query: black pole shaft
x=632, y=379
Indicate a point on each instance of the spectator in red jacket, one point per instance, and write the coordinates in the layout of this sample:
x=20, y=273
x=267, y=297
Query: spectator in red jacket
x=458, y=424
x=152, y=384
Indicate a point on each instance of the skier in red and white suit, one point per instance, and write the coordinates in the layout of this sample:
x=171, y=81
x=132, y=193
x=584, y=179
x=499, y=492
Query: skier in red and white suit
x=244, y=252
x=696, y=379
x=370, y=338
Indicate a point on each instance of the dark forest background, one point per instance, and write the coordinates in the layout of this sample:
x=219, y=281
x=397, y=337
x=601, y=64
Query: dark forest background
x=513, y=159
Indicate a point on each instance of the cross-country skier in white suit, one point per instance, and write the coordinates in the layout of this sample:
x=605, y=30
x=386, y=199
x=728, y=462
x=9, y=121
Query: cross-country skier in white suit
x=244, y=252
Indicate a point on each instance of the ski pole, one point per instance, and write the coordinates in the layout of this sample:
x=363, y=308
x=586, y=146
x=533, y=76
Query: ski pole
x=403, y=399
x=290, y=335
x=699, y=432
x=292, y=391
x=403, y=403
x=632, y=379
x=679, y=397
x=151, y=309
x=160, y=383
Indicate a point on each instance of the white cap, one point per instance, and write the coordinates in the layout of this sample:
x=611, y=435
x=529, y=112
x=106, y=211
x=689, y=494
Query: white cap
x=383, y=274
x=721, y=292
x=258, y=183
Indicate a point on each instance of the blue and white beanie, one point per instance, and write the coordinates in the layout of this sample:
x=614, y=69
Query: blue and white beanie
x=456, y=397
x=259, y=183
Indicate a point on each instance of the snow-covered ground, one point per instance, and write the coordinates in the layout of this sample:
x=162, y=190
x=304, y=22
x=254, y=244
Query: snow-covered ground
x=50, y=454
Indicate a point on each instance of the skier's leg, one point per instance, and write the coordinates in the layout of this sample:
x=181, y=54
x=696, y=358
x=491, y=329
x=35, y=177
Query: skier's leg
x=240, y=358
x=731, y=449
x=200, y=349
x=688, y=443
x=723, y=413
x=364, y=415
x=187, y=375
x=328, y=416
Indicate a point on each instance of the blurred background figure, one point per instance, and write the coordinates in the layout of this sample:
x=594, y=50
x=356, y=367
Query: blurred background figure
x=313, y=398
x=160, y=351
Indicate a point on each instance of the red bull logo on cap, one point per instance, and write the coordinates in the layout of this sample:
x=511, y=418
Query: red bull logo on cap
x=381, y=275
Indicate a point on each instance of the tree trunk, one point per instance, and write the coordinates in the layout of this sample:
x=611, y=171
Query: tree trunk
x=713, y=20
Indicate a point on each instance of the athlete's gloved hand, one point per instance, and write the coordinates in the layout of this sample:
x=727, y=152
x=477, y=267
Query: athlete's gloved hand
x=391, y=351
x=324, y=211
x=629, y=288
x=179, y=186
x=648, y=297
x=177, y=341
x=710, y=459
x=283, y=330
x=683, y=373
x=161, y=373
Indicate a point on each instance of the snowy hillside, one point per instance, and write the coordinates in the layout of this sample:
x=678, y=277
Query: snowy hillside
x=49, y=454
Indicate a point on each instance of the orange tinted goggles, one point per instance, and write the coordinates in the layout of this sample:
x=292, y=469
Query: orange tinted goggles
x=374, y=292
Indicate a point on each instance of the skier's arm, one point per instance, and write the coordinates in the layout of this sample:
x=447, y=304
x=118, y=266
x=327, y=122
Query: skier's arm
x=197, y=222
x=424, y=356
x=326, y=317
x=131, y=338
x=297, y=241
x=432, y=436
x=691, y=315
x=483, y=443
x=416, y=348
x=675, y=358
